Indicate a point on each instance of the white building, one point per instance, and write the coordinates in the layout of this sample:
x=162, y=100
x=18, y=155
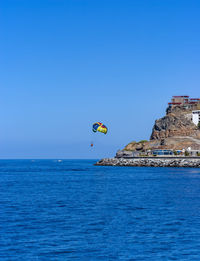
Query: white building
x=196, y=117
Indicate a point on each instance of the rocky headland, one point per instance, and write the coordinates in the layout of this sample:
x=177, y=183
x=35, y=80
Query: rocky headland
x=176, y=131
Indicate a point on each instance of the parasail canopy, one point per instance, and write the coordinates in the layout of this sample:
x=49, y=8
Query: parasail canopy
x=98, y=126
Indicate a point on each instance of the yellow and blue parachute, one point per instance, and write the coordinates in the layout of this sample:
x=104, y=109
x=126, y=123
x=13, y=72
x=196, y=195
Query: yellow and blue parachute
x=98, y=126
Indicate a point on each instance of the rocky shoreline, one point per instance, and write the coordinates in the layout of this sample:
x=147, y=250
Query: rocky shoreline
x=151, y=162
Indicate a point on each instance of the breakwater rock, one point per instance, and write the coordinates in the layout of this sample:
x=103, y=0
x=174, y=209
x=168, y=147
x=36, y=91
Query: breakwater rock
x=151, y=162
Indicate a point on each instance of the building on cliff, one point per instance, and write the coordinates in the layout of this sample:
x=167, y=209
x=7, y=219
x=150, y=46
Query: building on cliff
x=196, y=117
x=184, y=101
x=187, y=103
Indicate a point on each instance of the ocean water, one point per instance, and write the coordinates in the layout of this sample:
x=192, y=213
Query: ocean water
x=72, y=210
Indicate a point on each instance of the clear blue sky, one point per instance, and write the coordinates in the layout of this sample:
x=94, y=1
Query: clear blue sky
x=66, y=64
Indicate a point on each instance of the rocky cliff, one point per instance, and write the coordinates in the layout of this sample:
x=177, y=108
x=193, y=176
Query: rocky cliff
x=177, y=122
x=173, y=131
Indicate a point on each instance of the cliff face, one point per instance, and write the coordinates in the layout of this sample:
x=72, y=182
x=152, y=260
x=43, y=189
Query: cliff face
x=173, y=131
x=172, y=125
x=177, y=122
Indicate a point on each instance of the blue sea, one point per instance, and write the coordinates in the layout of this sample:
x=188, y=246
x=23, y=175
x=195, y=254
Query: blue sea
x=72, y=210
